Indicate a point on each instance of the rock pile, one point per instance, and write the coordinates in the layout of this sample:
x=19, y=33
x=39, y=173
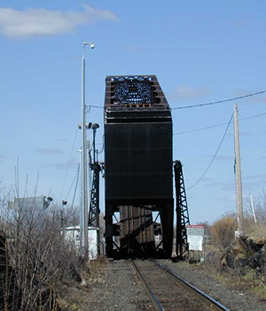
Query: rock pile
x=244, y=253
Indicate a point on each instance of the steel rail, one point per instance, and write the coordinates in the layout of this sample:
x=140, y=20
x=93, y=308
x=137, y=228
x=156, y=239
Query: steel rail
x=155, y=300
x=194, y=288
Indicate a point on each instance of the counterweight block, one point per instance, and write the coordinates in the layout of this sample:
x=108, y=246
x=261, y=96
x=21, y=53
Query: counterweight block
x=138, y=167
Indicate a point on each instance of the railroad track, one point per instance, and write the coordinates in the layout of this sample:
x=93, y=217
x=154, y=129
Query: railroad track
x=169, y=292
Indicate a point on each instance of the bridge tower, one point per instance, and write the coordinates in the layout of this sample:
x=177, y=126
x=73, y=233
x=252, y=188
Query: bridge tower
x=138, y=168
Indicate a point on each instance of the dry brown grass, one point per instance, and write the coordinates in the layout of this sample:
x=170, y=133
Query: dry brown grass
x=223, y=231
x=256, y=231
x=74, y=296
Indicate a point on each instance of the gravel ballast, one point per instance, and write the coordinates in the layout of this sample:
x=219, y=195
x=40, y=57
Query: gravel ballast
x=121, y=290
x=115, y=286
x=234, y=299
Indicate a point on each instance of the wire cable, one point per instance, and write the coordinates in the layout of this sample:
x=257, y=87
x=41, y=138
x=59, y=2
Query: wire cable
x=76, y=186
x=70, y=188
x=221, y=101
x=214, y=156
x=102, y=148
x=200, y=129
x=206, y=104
x=67, y=166
x=218, y=124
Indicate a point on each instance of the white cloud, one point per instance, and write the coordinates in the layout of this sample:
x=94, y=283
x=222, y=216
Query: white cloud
x=42, y=22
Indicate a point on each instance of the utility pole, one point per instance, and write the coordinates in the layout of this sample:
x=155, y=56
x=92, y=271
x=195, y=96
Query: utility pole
x=84, y=188
x=239, y=231
x=84, y=185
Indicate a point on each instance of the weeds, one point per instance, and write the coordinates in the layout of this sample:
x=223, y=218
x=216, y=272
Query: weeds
x=35, y=259
x=223, y=231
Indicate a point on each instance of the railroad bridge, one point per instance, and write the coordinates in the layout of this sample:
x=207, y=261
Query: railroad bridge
x=139, y=203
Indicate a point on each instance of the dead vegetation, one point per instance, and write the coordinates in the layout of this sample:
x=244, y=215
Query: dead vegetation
x=34, y=259
x=239, y=262
x=223, y=231
x=74, y=296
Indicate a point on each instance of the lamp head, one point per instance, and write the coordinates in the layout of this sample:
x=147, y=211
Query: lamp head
x=95, y=126
x=91, y=45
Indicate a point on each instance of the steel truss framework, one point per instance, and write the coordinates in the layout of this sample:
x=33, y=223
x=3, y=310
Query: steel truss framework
x=182, y=216
x=94, y=210
x=94, y=195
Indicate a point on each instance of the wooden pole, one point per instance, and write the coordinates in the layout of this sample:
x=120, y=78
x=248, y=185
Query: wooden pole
x=240, y=229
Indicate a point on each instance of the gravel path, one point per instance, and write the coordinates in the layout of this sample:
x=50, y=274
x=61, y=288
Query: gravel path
x=233, y=299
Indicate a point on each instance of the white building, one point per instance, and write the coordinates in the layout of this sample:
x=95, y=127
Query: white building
x=196, y=236
x=73, y=234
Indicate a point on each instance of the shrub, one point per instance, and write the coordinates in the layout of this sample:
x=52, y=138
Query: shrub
x=38, y=257
x=223, y=231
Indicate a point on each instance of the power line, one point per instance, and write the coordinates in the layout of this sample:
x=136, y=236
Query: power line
x=214, y=156
x=76, y=186
x=221, y=101
x=67, y=166
x=102, y=148
x=70, y=188
x=206, y=104
x=254, y=116
x=200, y=129
x=218, y=124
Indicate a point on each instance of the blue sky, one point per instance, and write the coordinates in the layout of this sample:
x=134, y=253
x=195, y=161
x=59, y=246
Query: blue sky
x=200, y=51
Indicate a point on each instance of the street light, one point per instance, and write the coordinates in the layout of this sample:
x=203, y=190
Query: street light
x=91, y=45
x=46, y=201
x=84, y=188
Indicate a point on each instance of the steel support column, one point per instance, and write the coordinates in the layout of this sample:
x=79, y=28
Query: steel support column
x=182, y=216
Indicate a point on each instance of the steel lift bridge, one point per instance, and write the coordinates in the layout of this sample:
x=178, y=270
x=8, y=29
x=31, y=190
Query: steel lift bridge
x=139, y=204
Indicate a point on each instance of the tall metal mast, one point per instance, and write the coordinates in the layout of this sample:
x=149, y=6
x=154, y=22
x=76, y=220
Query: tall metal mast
x=84, y=189
x=84, y=185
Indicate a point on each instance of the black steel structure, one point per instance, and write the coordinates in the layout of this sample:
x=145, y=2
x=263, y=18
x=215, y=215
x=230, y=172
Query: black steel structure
x=138, y=167
x=182, y=216
x=96, y=168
